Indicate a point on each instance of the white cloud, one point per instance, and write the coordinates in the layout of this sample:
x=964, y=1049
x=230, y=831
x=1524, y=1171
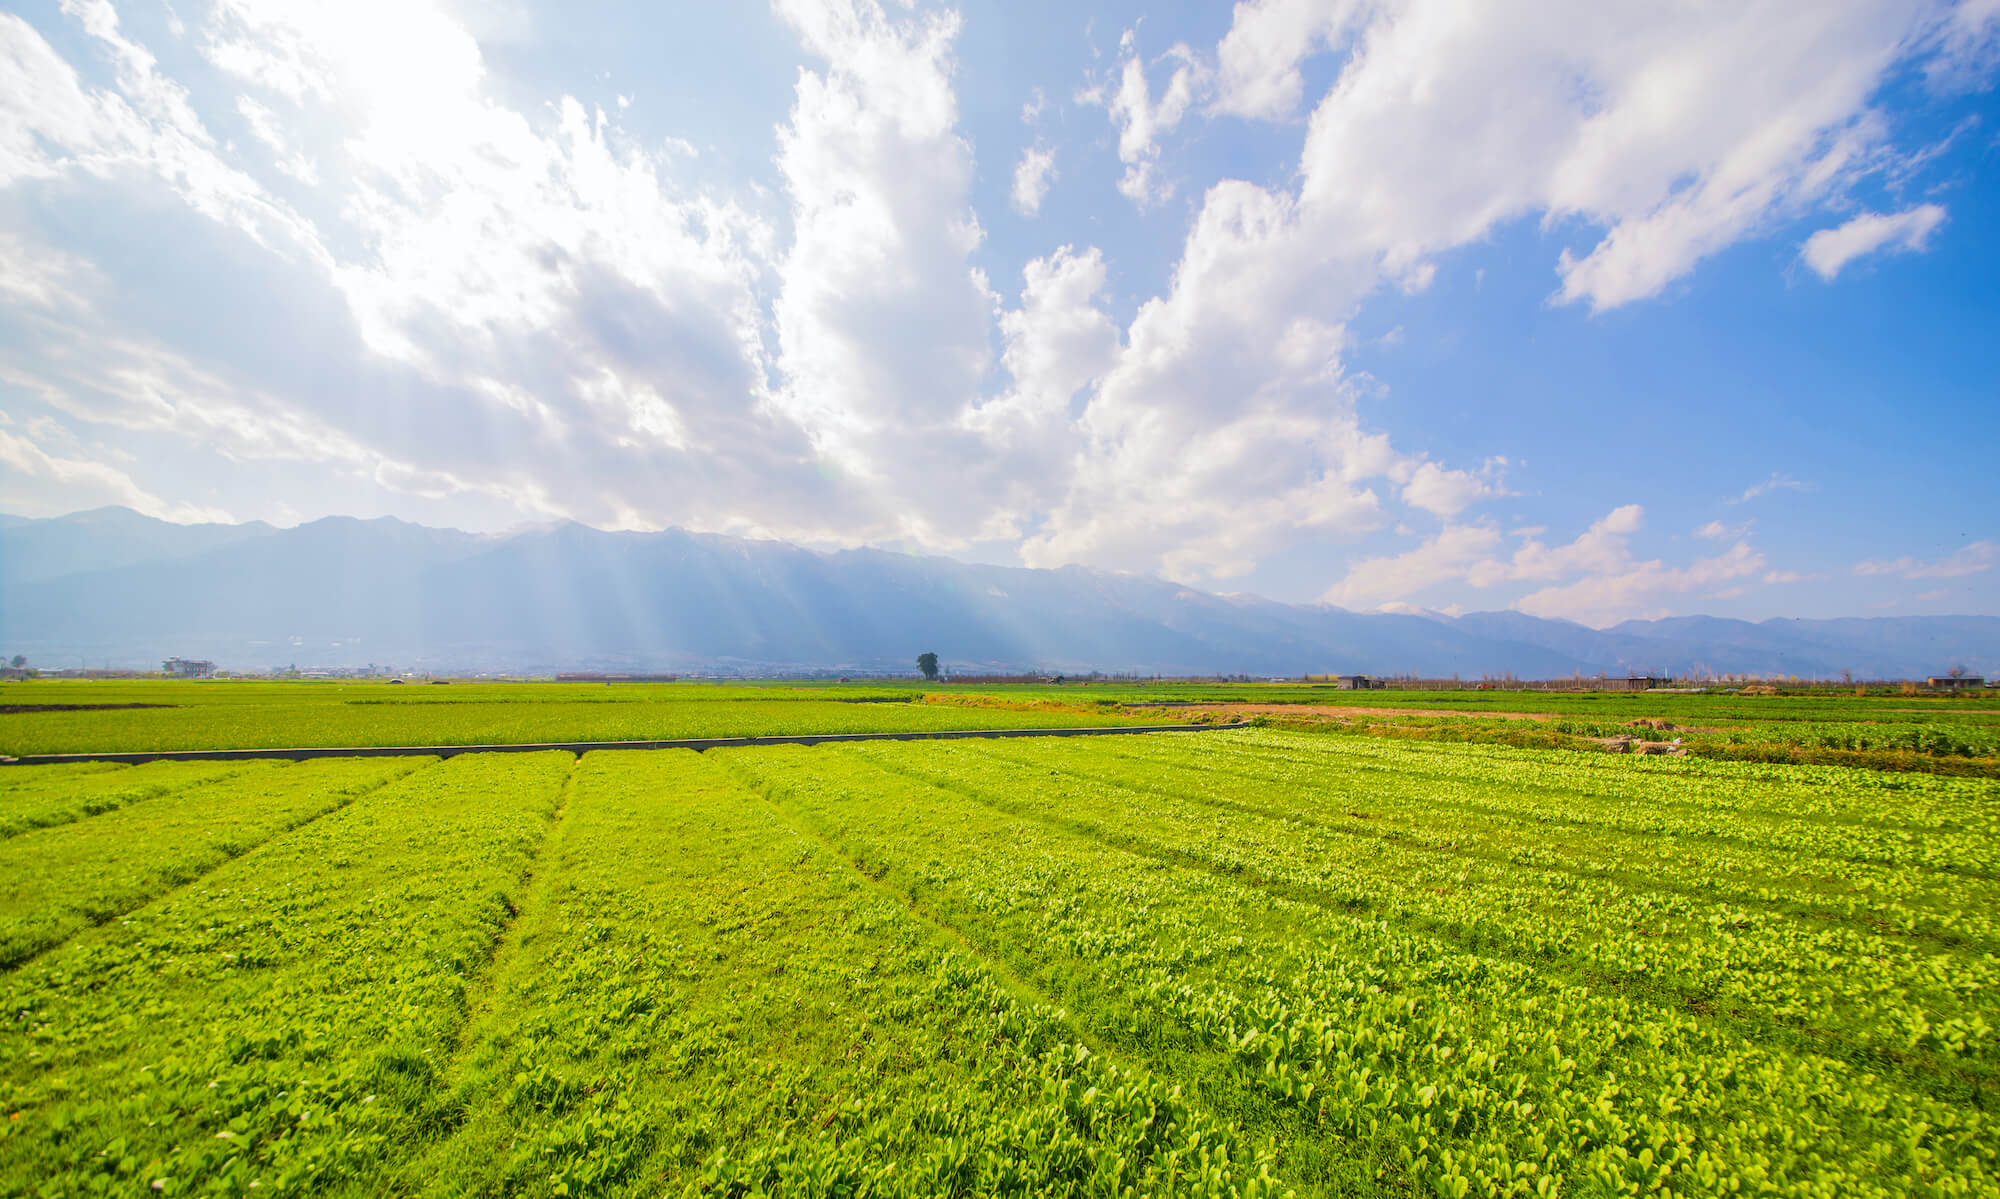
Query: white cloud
x=1639, y=589
x=60, y=484
x=1715, y=530
x=1972, y=559
x=1827, y=251
x=1142, y=120
x=1777, y=482
x=1594, y=579
x=882, y=320
x=1443, y=492
x=1259, y=58
x=1455, y=553
x=1032, y=176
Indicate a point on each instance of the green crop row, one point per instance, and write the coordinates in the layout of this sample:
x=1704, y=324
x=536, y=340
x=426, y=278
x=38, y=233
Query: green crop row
x=276, y=1026
x=1844, y=987
x=1372, y=1048
x=704, y=1001
x=1575, y=817
x=54, y=881
x=42, y=796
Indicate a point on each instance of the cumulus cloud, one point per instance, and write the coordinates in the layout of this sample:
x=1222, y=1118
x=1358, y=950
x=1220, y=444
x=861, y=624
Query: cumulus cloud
x=1639, y=589
x=1594, y=579
x=1032, y=176
x=1258, y=59
x=1829, y=250
x=1447, y=493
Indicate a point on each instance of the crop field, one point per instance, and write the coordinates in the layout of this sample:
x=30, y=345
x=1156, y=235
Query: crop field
x=1957, y=735
x=233, y=715
x=1243, y=962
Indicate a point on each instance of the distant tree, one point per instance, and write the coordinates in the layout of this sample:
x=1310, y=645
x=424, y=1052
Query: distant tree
x=1957, y=672
x=18, y=661
x=927, y=662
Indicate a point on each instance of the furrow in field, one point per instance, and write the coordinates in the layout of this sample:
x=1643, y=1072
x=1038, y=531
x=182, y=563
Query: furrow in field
x=42, y=803
x=1869, y=899
x=1450, y=1069
x=280, y=1025
x=1818, y=991
x=702, y=999
x=56, y=881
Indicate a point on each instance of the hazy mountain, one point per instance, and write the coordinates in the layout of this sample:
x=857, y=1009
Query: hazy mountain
x=115, y=586
x=34, y=550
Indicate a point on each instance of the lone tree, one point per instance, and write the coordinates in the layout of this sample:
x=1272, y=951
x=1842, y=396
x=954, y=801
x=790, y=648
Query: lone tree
x=928, y=664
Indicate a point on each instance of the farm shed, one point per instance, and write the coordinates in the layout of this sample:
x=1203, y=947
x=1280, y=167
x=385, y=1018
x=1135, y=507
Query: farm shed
x=1962, y=682
x=1356, y=682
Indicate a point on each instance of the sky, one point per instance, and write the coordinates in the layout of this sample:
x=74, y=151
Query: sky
x=1594, y=310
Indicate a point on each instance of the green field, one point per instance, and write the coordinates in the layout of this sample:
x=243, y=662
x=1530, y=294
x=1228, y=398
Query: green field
x=1957, y=734
x=230, y=715
x=1241, y=962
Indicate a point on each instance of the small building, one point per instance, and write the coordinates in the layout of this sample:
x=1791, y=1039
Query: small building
x=1356, y=682
x=1636, y=682
x=188, y=668
x=1955, y=682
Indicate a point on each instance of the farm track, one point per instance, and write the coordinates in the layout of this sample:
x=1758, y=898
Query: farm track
x=197, y=877
x=1797, y=909
x=698, y=744
x=1666, y=997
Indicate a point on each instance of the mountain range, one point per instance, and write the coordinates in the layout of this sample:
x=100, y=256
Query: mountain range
x=113, y=587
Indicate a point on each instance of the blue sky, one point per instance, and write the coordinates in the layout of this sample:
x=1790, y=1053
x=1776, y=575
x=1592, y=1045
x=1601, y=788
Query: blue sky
x=1593, y=310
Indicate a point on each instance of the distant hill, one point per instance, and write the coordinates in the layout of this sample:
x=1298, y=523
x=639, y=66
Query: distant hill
x=111, y=585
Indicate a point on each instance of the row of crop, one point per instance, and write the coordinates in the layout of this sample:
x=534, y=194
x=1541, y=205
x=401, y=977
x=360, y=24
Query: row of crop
x=702, y=1000
x=1793, y=792
x=1449, y=805
x=1724, y=801
x=1777, y=976
x=31, y=799
x=54, y=881
x=277, y=1025
x=1956, y=739
x=1458, y=1072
